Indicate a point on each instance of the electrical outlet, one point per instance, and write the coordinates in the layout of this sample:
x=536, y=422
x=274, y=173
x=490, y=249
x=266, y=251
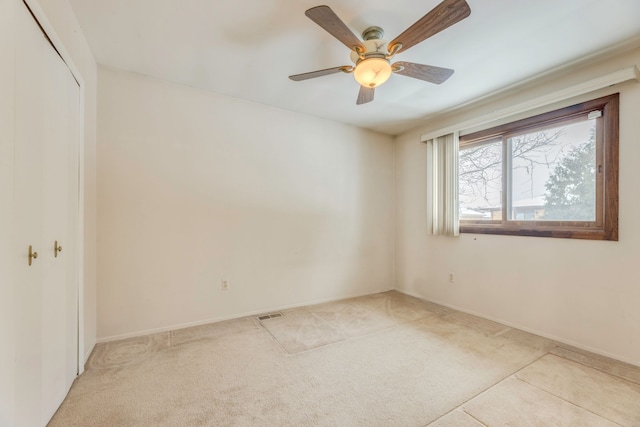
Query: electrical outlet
x=451, y=278
x=225, y=285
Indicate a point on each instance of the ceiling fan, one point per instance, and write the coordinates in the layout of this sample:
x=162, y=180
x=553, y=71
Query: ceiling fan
x=372, y=56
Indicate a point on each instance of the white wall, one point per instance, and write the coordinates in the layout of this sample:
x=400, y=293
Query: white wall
x=71, y=42
x=580, y=292
x=196, y=187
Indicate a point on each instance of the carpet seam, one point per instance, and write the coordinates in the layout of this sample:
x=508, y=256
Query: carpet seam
x=345, y=336
x=593, y=367
x=273, y=338
x=490, y=387
x=475, y=418
x=569, y=402
x=348, y=338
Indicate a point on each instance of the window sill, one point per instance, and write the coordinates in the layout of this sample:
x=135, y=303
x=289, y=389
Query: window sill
x=586, y=232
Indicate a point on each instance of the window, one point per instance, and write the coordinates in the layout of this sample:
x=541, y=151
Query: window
x=552, y=175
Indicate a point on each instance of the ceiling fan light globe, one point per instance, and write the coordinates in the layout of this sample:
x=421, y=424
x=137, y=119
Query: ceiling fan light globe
x=372, y=72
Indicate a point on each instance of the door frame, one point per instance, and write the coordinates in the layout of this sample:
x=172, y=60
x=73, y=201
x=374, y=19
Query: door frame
x=44, y=23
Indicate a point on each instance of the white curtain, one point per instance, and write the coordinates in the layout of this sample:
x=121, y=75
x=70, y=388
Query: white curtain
x=443, y=180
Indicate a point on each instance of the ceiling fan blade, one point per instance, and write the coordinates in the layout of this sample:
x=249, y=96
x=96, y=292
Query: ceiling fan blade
x=428, y=73
x=439, y=18
x=365, y=95
x=327, y=19
x=319, y=73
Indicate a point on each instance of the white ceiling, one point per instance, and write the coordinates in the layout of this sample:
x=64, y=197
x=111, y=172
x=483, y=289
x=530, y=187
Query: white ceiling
x=248, y=48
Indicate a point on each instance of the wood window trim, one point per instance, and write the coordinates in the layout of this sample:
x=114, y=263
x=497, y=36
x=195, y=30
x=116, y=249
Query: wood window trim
x=605, y=227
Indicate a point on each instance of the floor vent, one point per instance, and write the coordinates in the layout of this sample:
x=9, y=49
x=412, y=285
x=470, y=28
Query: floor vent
x=270, y=316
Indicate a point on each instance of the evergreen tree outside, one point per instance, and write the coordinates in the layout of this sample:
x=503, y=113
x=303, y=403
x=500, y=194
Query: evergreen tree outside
x=571, y=188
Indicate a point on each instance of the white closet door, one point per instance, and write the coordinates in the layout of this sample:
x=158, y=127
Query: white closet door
x=7, y=71
x=28, y=201
x=45, y=205
x=60, y=191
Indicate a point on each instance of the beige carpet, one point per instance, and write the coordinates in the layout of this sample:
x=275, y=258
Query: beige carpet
x=382, y=360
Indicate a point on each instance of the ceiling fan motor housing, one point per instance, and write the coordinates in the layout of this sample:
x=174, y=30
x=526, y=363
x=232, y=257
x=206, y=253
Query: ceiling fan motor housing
x=373, y=33
x=375, y=48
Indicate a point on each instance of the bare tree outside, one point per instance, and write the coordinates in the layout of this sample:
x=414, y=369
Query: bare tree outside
x=540, y=163
x=480, y=166
x=480, y=175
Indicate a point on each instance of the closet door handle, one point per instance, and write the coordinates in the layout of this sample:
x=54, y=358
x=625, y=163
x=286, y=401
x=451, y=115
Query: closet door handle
x=56, y=248
x=32, y=254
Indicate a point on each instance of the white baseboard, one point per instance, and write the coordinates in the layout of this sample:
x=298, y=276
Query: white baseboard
x=526, y=329
x=88, y=353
